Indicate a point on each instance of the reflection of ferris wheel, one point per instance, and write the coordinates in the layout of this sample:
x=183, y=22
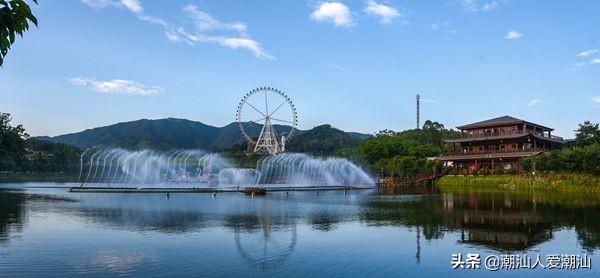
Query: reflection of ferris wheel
x=277, y=109
x=268, y=249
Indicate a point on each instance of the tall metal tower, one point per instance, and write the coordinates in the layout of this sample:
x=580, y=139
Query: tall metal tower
x=418, y=111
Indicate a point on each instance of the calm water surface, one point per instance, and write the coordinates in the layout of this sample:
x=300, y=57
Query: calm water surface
x=404, y=232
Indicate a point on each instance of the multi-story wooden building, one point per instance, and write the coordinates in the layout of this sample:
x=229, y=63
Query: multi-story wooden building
x=498, y=144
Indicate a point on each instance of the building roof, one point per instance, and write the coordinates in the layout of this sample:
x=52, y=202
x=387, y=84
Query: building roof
x=504, y=120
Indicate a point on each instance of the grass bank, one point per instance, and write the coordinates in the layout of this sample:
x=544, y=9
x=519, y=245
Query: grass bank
x=549, y=182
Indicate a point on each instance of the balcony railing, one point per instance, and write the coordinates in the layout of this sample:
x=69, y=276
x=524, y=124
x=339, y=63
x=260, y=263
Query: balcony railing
x=492, y=152
x=512, y=132
x=553, y=137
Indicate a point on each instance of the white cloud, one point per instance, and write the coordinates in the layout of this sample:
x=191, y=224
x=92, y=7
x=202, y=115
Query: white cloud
x=595, y=61
x=336, y=66
x=489, y=6
x=438, y=26
x=132, y=5
x=97, y=4
x=245, y=43
x=596, y=99
x=533, y=102
x=334, y=12
x=588, y=52
x=512, y=35
x=116, y=86
x=230, y=42
x=203, y=22
x=172, y=36
x=386, y=14
x=475, y=6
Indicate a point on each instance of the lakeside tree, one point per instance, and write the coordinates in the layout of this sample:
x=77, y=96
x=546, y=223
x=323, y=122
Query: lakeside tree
x=577, y=159
x=18, y=152
x=588, y=133
x=584, y=157
x=15, y=16
x=12, y=143
x=404, y=154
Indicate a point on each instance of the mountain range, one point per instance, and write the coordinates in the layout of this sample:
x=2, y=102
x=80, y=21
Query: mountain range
x=172, y=133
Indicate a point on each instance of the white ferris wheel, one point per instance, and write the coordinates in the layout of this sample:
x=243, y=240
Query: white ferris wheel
x=272, y=109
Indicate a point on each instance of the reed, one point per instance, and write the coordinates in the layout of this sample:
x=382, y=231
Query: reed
x=549, y=182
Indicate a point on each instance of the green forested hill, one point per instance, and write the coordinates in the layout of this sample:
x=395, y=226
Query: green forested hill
x=323, y=139
x=160, y=134
x=171, y=133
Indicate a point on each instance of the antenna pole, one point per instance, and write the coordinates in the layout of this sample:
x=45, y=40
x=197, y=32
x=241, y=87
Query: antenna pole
x=418, y=111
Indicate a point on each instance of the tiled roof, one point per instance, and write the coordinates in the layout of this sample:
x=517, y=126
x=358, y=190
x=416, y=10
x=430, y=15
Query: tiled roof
x=504, y=120
x=492, y=122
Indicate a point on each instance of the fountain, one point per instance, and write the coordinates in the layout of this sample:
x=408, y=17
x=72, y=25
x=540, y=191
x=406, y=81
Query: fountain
x=239, y=176
x=303, y=169
x=190, y=168
x=118, y=166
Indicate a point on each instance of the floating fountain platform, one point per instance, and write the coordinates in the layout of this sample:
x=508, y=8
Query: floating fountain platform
x=256, y=190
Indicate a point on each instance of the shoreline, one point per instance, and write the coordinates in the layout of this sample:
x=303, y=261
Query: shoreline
x=562, y=182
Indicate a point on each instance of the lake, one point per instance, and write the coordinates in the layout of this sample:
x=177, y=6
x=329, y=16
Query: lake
x=411, y=231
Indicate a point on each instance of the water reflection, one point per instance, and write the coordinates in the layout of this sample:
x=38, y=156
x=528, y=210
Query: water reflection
x=274, y=233
x=496, y=221
x=144, y=219
x=504, y=221
x=263, y=241
x=325, y=220
x=12, y=214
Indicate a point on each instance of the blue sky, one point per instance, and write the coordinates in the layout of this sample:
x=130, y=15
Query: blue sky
x=355, y=64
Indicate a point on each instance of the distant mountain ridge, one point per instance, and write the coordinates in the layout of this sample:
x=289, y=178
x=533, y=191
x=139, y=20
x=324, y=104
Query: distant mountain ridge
x=173, y=133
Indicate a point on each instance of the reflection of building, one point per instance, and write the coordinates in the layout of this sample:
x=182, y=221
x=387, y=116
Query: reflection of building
x=498, y=144
x=500, y=223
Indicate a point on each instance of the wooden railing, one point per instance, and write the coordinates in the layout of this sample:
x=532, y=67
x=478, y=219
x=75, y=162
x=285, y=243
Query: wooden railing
x=492, y=152
x=514, y=132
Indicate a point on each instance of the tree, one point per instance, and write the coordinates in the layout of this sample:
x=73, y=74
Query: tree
x=588, y=133
x=429, y=125
x=15, y=16
x=12, y=143
x=405, y=154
